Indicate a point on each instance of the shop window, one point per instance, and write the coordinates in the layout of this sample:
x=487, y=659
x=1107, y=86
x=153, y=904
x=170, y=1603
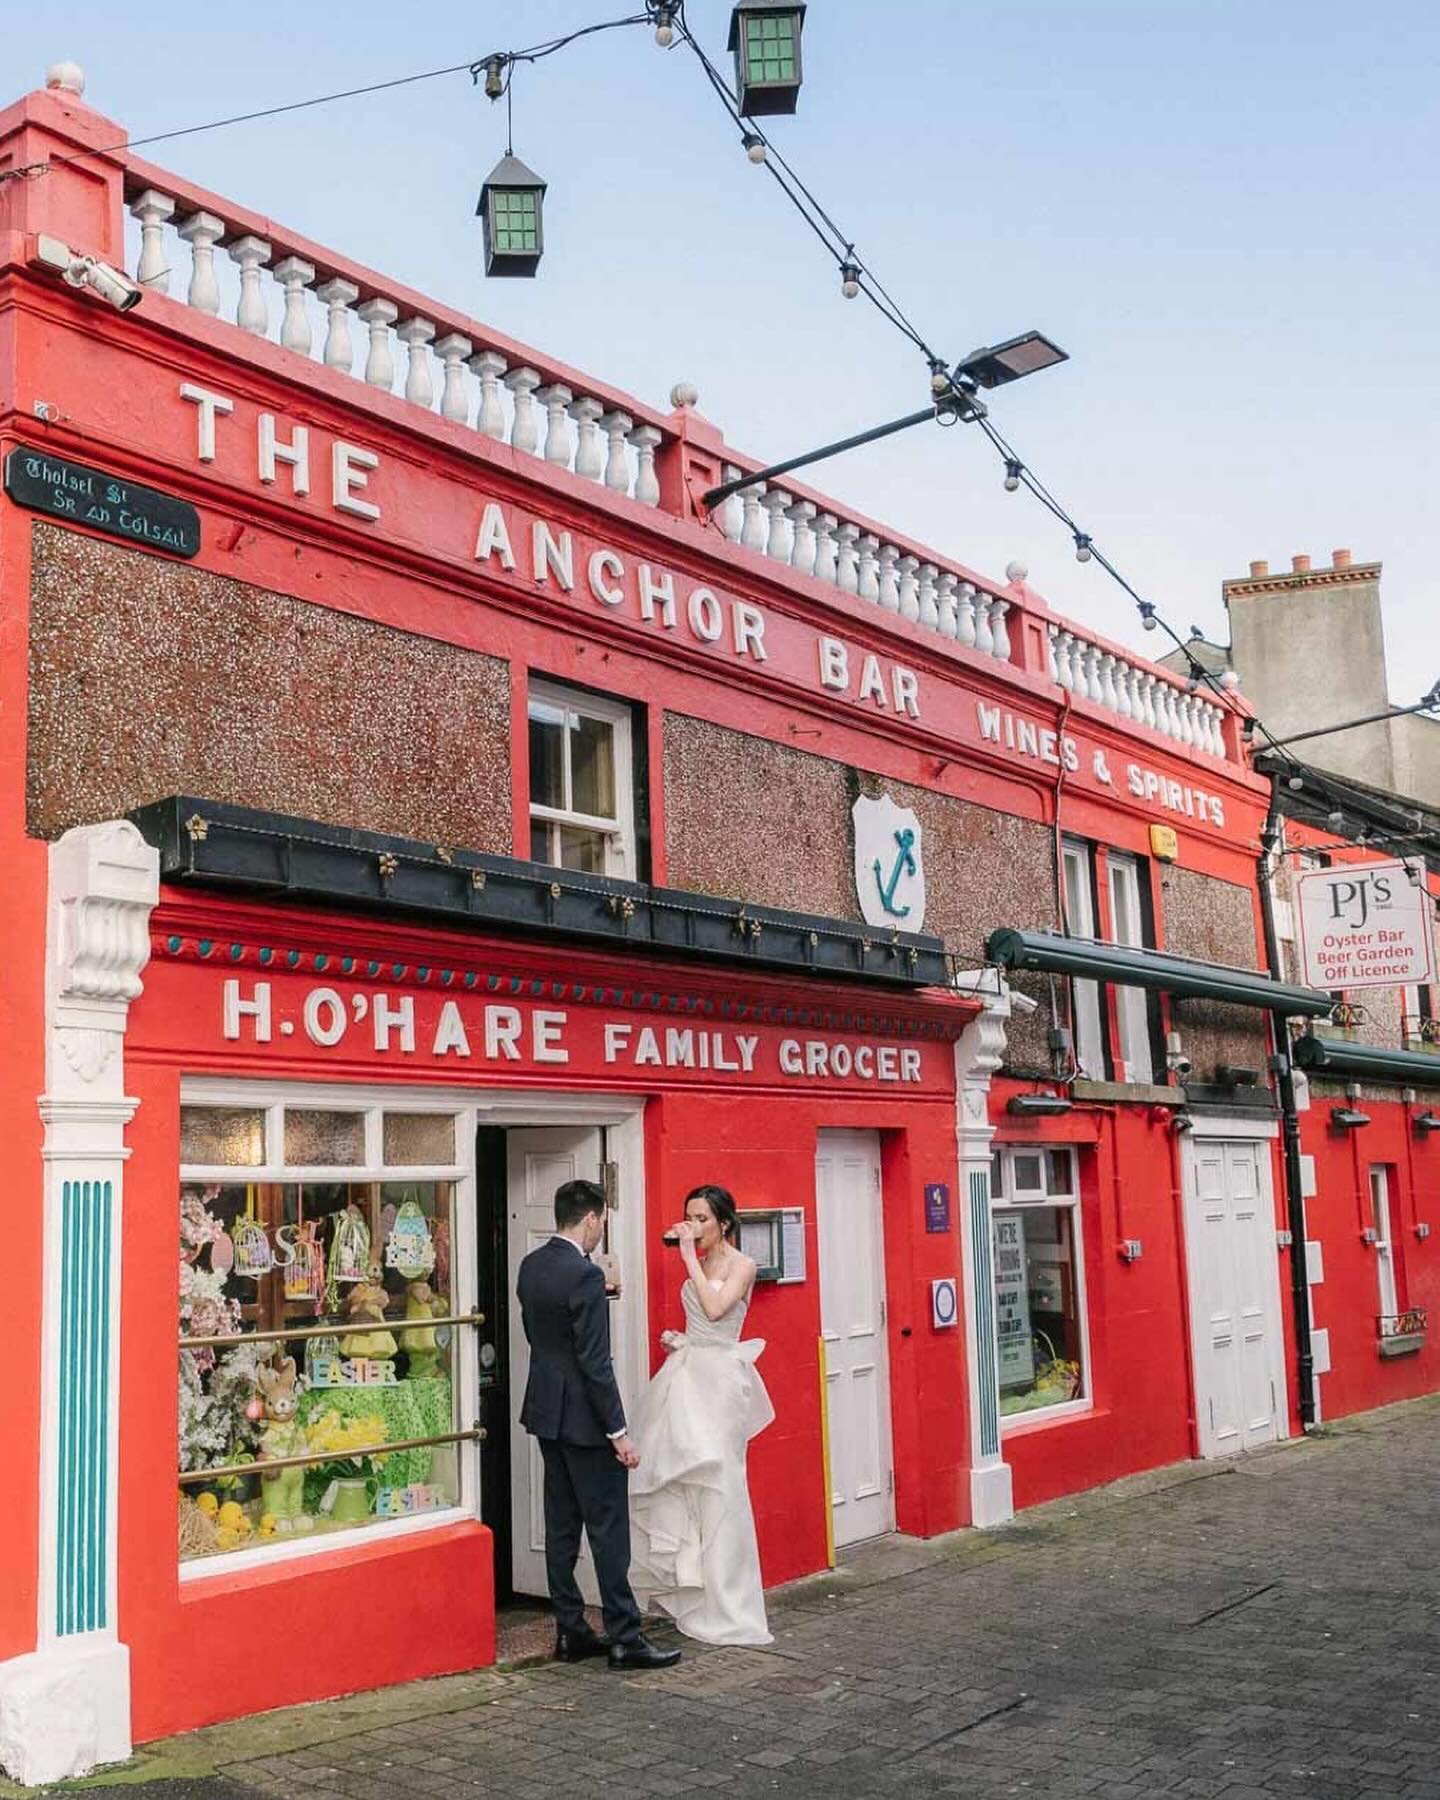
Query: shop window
x=1387, y=1272
x=1040, y=1326
x=582, y=786
x=1128, y=1054
x=324, y=1337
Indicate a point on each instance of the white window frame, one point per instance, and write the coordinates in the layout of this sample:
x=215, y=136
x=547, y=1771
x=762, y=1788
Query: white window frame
x=1385, y=1272
x=1008, y=1199
x=1132, y=1004
x=1078, y=881
x=273, y=1098
x=619, y=832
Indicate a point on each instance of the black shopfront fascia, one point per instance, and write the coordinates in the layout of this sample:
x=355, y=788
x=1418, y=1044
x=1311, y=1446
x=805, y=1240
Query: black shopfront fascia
x=1090, y=960
x=268, y=854
x=1339, y=1060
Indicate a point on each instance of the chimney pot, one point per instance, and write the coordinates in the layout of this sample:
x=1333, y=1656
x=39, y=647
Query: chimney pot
x=1300, y=565
x=1259, y=569
x=1341, y=559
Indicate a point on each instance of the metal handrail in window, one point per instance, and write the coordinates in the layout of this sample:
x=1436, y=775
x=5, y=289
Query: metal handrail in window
x=264, y=1465
x=313, y=1331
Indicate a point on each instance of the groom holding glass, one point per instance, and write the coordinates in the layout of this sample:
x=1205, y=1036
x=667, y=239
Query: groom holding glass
x=572, y=1407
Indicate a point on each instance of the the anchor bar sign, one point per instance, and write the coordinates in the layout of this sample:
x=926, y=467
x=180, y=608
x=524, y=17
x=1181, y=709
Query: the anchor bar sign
x=889, y=864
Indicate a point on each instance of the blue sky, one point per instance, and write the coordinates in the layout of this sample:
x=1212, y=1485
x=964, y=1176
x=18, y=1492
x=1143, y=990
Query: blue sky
x=1224, y=211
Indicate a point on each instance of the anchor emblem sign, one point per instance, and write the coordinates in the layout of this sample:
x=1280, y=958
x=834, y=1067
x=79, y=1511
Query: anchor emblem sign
x=889, y=864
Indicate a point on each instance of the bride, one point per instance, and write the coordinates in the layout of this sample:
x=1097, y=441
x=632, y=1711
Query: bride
x=693, y=1534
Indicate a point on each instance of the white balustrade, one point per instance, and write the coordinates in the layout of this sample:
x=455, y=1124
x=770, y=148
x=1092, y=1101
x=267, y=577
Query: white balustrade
x=948, y=604
x=928, y=598
x=1143, y=695
x=802, y=541
x=589, y=457
x=646, y=439
x=617, y=427
x=251, y=312
x=153, y=210
x=909, y=595
x=454, y=352
x=777, y=504
x=295, y=275
x=965, y=618
x=827, y=558
x=984, y=636
x=847, y=558
x=417, y=335
x=869, y=579
x=754, y=532
x=888, y=578
x=488, y=366
x=337, y=297
x=999, y=629
x=378, y=316
x=202, y=231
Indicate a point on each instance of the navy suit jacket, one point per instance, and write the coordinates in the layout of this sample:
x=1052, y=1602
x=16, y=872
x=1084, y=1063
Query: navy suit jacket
x=571, y=1394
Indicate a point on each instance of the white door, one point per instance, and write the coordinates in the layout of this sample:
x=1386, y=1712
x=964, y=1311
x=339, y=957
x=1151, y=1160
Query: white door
x=1234, y=1296
x=539, y=1160
x=852, y=1322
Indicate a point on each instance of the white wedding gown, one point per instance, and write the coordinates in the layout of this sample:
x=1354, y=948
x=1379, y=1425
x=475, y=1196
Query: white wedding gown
x=693, y=1550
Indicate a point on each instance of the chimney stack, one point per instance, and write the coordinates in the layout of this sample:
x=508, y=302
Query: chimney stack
x=1300, y=565
x=1258, y=570
x=1341, y=559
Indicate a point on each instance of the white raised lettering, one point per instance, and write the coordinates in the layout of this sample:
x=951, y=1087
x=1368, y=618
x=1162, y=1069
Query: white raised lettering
x=552, y=555
x=910, y=1065
x=493, y=537
x=399, y=1013
x=679, y=1048
x=790, y=1059
x=502, y=1033
x=329, y=1029
x=748, y=624
x=546, y=1030
x=841, y=1061
x=747, y=1047
x=989, y=717
x=295, y=454
x=872, y=682
x=703, y=611
x=834, y=664
x=865, y=1062
x=451, y=1037
x=1029, y=738
x=234, y=1009
x=817, y=1057
x=617, y=1036
x=905, y=686
x=647, y=1048
x=209, y=404
x=887, y=1062
x=718, y=1058
x=348, y=464
x=603, y=563
x=657, y=590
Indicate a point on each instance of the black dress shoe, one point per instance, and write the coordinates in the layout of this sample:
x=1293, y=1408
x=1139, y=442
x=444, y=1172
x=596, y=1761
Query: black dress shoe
x=640, y=1653
x=576, y=1646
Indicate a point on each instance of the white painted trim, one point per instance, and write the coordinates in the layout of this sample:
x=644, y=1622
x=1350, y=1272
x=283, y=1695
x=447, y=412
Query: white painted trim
x=1072, y=1203
x=621, y=851
x=293, y=1549
x=65, y=1709
x=1021, y=1424
x=992, y=1496
x=1237, y=1129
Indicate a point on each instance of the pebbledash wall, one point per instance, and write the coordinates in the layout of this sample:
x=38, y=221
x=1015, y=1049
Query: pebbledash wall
x=382, y=585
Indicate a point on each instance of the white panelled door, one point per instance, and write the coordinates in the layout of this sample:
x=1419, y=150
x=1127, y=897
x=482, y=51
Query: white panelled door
x=1234, y=1295
x=852, y=1322
x=539, y=1160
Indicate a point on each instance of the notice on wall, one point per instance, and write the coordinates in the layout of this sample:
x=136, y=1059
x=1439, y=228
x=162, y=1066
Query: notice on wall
x=1365, y=925
x=1012, y=1303
x=84, y=496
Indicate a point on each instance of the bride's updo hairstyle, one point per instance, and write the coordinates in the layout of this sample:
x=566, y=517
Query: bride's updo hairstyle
x=722, y=1209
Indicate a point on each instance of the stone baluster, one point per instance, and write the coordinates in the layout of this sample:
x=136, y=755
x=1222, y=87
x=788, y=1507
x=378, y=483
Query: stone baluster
x=555, y=399
x=847, y=557
x=589, y=457
x=1109, y=694
x=646, y=439
x=153, y=209
x=753, y=527
x=1188, y=733
x=1202, y=726
x=869, y=578
x=929, y=596
x=730, y=514
x=488, y=366
x=1092, y=688
x=777, y=504
x=251, y=312
x=417, y=335
x=947, y=608
x=1147, y=700
x=1216, y=735
x=999, y=629
x=1123, y=703
x=202, y=231
x=802, y=541
x=525, y=420
x=453, y=350
x=984, y=636
x=1060, y=669
x=826, y=549
x=965, y=615
x=1138, y=681
x=337, y=295
x=1052, y=640
x=617, y=427
x=909, y=597
x=1172, y=713
x=889, y=578
x=378, y=316
x=295, y=275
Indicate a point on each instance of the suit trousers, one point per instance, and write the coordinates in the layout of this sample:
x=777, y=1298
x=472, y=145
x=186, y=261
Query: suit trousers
x=587, y=1484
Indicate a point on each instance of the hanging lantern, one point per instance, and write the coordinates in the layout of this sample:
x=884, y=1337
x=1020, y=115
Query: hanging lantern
x=511, y=206
x=766, y=43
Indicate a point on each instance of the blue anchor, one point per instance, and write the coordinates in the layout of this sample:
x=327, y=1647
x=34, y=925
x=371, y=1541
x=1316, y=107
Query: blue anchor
x=904, y=865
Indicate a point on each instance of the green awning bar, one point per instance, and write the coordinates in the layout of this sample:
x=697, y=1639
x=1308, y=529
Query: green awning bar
x=1049, y=953
x=1367, y=1062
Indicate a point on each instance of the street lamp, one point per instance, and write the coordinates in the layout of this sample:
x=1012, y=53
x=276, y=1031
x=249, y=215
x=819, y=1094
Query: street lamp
x=766, y=42
x=512, y=210
x=993, y=365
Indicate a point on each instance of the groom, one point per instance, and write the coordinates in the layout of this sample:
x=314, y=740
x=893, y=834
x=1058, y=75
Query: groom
x=572, y=1406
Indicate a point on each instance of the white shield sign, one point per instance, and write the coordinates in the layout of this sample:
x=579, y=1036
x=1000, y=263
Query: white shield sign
x=889, y=864
x=1365, y=925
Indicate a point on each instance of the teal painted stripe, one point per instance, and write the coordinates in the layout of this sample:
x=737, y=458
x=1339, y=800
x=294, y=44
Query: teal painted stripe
x=987, y=1371
x=84, y=1481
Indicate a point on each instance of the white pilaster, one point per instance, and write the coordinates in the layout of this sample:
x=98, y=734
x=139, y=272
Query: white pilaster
x=977, y=1056
x=65, y=1707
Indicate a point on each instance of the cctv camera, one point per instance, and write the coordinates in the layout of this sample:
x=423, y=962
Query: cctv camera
x=116, y=289
x=1181, y=1065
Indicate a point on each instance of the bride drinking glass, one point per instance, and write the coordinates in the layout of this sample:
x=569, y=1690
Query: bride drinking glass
x=693, y=1533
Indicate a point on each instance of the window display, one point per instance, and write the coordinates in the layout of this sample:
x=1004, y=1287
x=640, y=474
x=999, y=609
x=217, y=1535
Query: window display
x=1039, y=1285
x=321, y=1331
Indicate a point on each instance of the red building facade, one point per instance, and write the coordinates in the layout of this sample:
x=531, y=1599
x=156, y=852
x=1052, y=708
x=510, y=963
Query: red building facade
x=415, y=797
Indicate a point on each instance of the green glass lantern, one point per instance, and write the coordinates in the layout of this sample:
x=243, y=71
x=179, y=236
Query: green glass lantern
x=512, y=211
x=766, y=43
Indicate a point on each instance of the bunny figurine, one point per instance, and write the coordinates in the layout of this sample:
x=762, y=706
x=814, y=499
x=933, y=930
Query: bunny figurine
x=284, y=1489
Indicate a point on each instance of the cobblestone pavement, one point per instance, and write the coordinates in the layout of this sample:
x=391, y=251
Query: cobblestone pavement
x=1260, y=1629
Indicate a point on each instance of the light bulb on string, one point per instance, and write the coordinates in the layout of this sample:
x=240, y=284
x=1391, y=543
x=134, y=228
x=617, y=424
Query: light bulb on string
x=494, y=77
x=1082, y=547
x=1147, y=615
x=1013, y=472
x=664, y=26
x=849, y=279
x=754, y=146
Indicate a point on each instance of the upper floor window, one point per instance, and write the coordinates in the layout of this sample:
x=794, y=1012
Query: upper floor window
x=1114, y=1029
x=582, y=785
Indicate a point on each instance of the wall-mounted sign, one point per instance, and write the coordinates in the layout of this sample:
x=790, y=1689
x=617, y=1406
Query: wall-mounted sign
x=889, y=864
x=1164, y=843
x=85, y=496
x=1365, y=925
x=1013, y=1338
x=944, y=1303
x=937, y=1206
